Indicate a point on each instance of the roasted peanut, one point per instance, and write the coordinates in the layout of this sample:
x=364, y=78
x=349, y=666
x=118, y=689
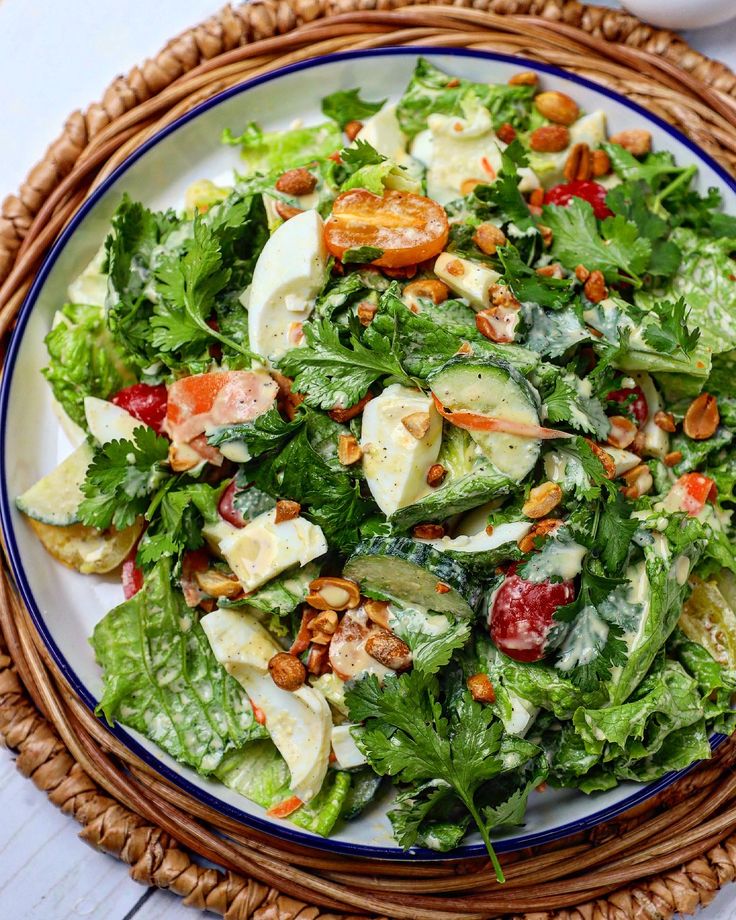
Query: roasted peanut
x=183, y=458
x=702, y=418
x=600, y=163
x=377, y=612
x=287, y=399
x=436, y=475
x=606, y=460
x=501, y=295
x=551, y=271
x=286, y=211
x=557, y=107
x=524, y=78
x=673, y=458
x=428, y=531
x=325, y=622
x=389, y=650
x=622, y=433
x=417, y=424
x=506, y=133
x=546, y=233
x=595, y=287
x=366, y=312
x=527, y=543
x=428, y=289
x=637, y=141
x=333, y=593
x=488, y=237
x=549, y=138
x=665, y=421
x=542, y=499
x=344, y=415
x=286, y=511
x=287, y=671
x=579, y=165
x=638, y=482
x=481, y=688
x=296, y=182
x=352, y=129
x=217, y=583
x=348, y=450
x=582, y=273
x=465, y=349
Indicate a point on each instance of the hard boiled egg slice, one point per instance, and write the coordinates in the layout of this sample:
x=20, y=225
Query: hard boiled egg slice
x=299, y=722
x=108, y=422
x=396, y=455
x=289, y=274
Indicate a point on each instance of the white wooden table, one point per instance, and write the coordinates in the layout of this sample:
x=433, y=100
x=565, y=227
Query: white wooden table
x=55, y=57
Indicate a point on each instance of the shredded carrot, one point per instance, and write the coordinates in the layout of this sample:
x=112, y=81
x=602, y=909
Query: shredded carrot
x=285, y=808
x=476, y=421
x=260, y=715
x=333, y=757
x=487, y=167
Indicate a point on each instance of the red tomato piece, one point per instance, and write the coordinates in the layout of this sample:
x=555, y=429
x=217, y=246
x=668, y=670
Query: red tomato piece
x=521, y=614
x=692, y=491
x=592, y=192
x=205, y=401
x=130, y=575
x=144, y=402
x=227, y=508
x=638, y=408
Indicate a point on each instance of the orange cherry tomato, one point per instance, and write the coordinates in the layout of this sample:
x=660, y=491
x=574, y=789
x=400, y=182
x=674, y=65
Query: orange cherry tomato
x=407, y=228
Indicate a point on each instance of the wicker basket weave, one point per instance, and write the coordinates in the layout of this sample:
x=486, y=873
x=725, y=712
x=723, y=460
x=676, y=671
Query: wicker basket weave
x=667, y=856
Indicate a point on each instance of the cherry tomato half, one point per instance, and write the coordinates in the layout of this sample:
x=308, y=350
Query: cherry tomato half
x=130, y=575
x=692, y=491
x=227, y=508
x=144, y=402
x=521, y=614
x=637, y=408
x=591, y=192
x=407, y=228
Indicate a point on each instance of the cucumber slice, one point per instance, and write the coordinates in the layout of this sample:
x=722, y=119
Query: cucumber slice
x=482, y=551
x=409, y=572
x=497, y=389
x=56, y=498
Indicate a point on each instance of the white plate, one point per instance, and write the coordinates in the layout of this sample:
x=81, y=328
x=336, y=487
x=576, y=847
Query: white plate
x=65, y=605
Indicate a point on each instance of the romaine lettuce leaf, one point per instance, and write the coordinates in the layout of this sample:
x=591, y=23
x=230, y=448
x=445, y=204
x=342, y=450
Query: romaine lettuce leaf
x=161, y=678
x=270, y=151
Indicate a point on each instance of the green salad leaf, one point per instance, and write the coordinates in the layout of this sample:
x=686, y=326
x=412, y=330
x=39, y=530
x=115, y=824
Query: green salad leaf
x=346, y=105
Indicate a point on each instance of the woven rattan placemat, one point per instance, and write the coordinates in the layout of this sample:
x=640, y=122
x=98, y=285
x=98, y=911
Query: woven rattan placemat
x=671, y=854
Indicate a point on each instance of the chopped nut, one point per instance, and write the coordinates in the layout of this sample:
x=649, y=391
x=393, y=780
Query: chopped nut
x=595, y=287
x=321, y=638
x=417, y=424
x=366, y=312
x=638, y=482
x=455, y=268
x=622, y=433
x=287, y=671
x=637, y=141
x=325, y=622
x=542, y=499
x=296, y=182
x=348, y=450
x=607, y=462
x=286, y=211
x=287, y=511
x=452, y=83
x=527, y=543
x=549, y=139
x=600, y=163
x=546, y=233
x=468, y=185
x=428, y=531
x=673, y=458
x=481, y=688
x=702, y=418
x=428, y=289
x=389, y=650
x=217, y=583
x=442, y=588
x=465, y=349
x=501, y=295
x=488, y=237
x=403, y=271
x=318, y=660
x=352, y=129
x=557, y=107
x=377, y=612
x=665, y=421
x=536, y=197
x=582, y=273
x=333, y=593
x=506, y=133
x=436, y=475
x=498, y=324
x=551, y=271
x=183, y=458
x=287, y=399
x=489, y=529
x=344, y=415
x=578, y=166
x=524, y=78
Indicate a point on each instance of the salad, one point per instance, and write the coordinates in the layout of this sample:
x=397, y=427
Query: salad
x=412, y=441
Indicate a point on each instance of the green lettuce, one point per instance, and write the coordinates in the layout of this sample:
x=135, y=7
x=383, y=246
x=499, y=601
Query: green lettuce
x=260, y=773
x=276, y=151
x=84, y=360
x=162, y=679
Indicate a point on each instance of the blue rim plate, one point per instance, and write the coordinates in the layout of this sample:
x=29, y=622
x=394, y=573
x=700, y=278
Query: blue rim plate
x=282, y=829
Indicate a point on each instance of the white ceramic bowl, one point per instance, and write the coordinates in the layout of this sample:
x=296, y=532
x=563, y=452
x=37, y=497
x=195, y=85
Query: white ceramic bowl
x=65, y=605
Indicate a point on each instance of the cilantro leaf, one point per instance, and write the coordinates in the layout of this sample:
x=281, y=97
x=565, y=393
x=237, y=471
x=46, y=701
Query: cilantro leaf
x=652, y=168
x=432, y=652
x=529, y=286
x=568, y=402
x=121, y=477
x=331, y=374
x=346, y=105
x=359, y=155
x=266, y=432
x=362, y=254
x=616, y=528
x=671, y=333
x=591, y=649
x=176, y=519
x=504, y=191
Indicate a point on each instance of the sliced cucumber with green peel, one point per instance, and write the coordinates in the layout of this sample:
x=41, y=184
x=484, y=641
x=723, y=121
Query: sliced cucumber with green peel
x=56, y=498
x=410, y=572
x=482, y=551
x=496, y=389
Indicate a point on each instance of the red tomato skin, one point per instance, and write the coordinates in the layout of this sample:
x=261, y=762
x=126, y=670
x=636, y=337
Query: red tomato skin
x=130, y=575
x=639, y=408
x=227, y=509
x=592, y=192
x=144, y=402
x=521, y=613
